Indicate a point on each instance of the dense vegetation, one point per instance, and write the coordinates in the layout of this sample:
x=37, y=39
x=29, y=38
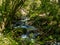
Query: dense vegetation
x=43, y=14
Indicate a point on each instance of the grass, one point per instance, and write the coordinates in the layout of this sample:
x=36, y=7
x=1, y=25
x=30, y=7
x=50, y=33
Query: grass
x=7, y=40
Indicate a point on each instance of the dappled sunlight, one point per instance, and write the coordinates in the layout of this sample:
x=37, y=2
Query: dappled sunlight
x=6, y=40
x=29, y=22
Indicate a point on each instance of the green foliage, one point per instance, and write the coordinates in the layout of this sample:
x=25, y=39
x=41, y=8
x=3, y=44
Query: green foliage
x=44, y=14
x=7, y=41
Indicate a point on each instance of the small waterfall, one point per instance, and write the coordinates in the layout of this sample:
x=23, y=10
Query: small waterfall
x=23, y=23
